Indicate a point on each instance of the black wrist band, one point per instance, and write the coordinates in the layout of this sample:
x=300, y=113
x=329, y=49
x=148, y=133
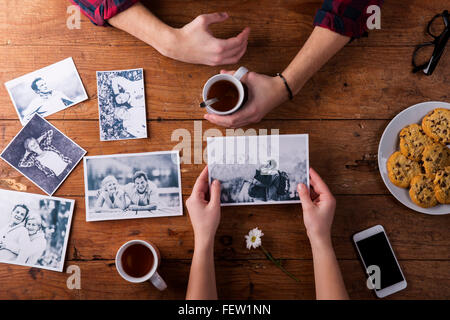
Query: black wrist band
x=291, y=96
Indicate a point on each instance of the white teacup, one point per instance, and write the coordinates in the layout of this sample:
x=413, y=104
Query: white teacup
x=152, y=275
x=236, y=80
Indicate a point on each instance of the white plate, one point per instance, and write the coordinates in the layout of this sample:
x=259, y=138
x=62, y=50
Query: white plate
x=389, y=144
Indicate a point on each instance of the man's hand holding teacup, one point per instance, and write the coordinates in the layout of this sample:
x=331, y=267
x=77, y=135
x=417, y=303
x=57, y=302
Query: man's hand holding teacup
x=264, y=94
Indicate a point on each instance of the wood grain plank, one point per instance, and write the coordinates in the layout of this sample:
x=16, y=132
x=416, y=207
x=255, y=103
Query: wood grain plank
x=358, y=83
x=425, y=237
x=246, y=279
x=273, y=23
x=344, y=152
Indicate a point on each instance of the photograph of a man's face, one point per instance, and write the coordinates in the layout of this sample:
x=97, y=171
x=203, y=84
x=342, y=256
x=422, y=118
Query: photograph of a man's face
x=139, y=185
x=259, y=169
x=46, y=91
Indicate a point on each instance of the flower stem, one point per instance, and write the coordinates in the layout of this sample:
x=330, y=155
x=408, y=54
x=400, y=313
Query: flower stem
x=278, y=264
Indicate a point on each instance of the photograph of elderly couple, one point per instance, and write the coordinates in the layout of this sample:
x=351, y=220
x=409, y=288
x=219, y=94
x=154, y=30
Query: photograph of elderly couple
x=34, y=229
x=127, y=186
x=259, y=169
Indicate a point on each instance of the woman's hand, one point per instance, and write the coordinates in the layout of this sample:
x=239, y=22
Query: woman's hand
x=318, y=213
x=103, y=193
x=204, y=213
x=264, y=94
x=119, y=192
x=194, y=43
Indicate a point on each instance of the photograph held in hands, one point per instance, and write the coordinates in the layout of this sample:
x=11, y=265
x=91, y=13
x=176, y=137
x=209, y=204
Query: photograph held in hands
x=43, y=154
x=46, y=91
x=34, y=229
x=259, y=169
x=138, y=185
x=121, y=104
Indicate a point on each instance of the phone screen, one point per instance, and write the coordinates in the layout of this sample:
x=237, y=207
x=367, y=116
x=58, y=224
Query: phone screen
x=375, y=250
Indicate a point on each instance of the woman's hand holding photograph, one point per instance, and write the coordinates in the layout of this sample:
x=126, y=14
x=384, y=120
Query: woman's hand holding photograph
x=318, y=208
x=318, y=212
x=204, y=209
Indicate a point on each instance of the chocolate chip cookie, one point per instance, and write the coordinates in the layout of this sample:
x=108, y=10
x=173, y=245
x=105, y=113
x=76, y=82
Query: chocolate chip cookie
x=435, y=157
x=413, y=141
x=442, y=185
x=401, y=169
x=436, y=124
x=422, y=191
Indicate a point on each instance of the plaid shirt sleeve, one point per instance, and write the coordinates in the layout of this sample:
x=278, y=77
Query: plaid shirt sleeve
x=27, y=160
x=346, y=17
x=99, y=11
x=46, y=138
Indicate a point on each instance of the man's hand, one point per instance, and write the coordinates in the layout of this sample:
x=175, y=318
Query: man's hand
x=264, y=94
x=204, y=214
x=318, y=213
x=194, y=43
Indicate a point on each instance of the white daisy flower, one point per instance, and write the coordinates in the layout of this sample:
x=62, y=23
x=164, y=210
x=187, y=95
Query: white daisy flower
x=254, y=238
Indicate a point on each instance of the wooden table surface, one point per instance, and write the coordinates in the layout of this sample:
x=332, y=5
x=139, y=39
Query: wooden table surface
x=344, y=108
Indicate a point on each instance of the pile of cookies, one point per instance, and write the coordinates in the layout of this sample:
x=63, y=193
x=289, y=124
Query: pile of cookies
x=423, y=162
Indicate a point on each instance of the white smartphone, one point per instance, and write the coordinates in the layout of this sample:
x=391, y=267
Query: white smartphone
x=381, y=265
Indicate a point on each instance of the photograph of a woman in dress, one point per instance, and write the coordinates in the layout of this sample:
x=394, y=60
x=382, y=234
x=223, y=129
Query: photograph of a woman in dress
x=121, y=101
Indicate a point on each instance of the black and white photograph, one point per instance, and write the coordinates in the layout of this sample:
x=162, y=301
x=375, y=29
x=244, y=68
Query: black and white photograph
x=34, y=229
x=257, y=170
x=43, y=154
x=47, y=90
x=138, y=185
x=121, y=104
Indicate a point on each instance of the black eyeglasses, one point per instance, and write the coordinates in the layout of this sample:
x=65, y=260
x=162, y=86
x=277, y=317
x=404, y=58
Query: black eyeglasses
x=439, y=29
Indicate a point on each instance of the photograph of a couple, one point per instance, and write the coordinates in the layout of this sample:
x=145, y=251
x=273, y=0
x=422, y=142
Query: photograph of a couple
x=46, y=91
x=259, y=169
x=43, y=154
x=126, y=186
x=121, y=104
x=34, y=229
